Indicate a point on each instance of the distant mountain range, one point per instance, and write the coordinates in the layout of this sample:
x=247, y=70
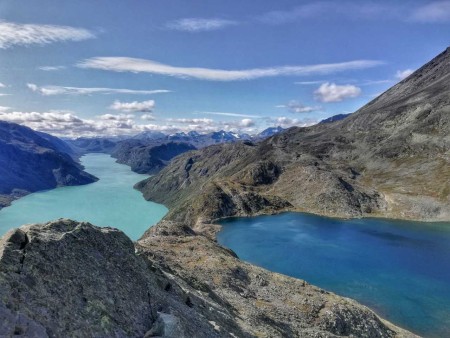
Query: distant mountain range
x=203, y=140
x=150, y=151
x=31, y=161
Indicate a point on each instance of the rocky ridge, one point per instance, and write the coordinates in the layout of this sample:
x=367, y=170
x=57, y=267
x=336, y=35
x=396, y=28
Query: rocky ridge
x=66, y=278
x=148, y=159
x=390, y=159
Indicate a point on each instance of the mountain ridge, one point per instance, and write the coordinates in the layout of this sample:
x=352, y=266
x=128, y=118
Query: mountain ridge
x=31, y=161
x=388, y=159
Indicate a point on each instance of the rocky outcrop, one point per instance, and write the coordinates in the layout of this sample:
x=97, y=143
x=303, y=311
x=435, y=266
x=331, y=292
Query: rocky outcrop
x=30, y=162
x=258, y=302
x=388, y=159
x=148, y=159
x=70, y=279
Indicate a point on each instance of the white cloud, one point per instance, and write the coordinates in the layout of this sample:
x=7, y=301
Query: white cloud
x=296, y=13
x=120, y=117
x=363, y=11
x=68, y=124
x=14, y=34
x=331, y=92
x=147, y=117
x=374, y=82
x=205, y=125
x=58, y=90
x=297, y=107
x=287, y=122
x=307, y=83
x=226, y=114
x=4, y=109
x=126, y=64
x=32, y=117
x=52, y=68
x=359, y=83
x=402, y=74
x=433, y=12
x=192, y=121
x=246, y=123
x=194, y=25
x=135, y=106
x=2, y=85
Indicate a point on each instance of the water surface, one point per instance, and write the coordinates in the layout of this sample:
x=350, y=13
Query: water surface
x=399, y=269
x=111, y=201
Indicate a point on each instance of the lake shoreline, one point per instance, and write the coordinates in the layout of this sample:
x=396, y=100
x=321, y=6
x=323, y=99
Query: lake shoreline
x=270, y=250
x=110, y=201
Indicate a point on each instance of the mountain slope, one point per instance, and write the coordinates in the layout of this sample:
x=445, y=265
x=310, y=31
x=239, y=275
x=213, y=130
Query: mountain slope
x=390, y=159
x=30, y=162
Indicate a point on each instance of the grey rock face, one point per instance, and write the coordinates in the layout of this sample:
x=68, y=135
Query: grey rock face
x=73, y=280
x=70, y=279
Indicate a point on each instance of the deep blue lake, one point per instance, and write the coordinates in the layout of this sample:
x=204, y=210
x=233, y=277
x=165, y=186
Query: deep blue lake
x=111, y=201
x=399, y=269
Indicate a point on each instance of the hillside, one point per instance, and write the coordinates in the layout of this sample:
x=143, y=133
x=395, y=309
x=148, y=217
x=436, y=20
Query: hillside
x=31, y=161
x=148, y=159
x=389, y=159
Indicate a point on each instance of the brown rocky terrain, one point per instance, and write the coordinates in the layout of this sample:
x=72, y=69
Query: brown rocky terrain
x=390, y=159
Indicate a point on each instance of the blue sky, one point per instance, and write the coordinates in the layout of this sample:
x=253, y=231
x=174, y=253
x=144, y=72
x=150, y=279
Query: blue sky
x=108, y=67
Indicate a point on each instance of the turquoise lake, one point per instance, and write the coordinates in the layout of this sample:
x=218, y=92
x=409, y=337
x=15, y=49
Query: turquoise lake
x=111, y=201
x=399, y=269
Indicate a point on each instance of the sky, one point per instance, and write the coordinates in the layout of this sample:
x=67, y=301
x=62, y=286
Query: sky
x=110, y=67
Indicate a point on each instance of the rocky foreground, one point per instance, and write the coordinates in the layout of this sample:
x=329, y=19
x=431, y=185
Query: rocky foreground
x=69, y=279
